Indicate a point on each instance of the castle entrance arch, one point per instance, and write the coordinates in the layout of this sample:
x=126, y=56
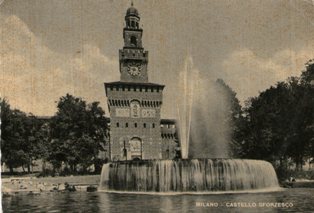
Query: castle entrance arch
x=136, y=148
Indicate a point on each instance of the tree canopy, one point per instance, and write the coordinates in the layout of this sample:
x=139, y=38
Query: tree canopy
x=73, y=136
x=78, y=132
x=19, y=132
x=279, y=123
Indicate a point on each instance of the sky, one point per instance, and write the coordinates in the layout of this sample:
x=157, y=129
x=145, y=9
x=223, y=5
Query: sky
x=53, y=47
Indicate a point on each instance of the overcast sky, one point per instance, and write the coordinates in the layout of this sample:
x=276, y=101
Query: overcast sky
x=53, y=47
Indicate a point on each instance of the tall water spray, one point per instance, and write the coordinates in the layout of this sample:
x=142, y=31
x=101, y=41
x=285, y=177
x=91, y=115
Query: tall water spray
x=203, y=115
x=187, y=82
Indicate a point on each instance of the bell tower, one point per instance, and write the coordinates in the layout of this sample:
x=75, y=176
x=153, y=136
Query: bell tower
x=133, y=57
x=134, y=103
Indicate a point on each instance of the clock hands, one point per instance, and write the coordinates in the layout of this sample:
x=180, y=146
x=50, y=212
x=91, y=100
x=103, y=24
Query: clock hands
x=134, y=69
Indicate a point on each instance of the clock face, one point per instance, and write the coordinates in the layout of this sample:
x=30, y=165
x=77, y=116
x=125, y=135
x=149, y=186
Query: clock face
x=134, y=69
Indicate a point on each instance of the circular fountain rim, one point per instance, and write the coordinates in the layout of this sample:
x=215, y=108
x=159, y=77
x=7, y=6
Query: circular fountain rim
x=254, y=191
x=183, y=159
x=269, y=187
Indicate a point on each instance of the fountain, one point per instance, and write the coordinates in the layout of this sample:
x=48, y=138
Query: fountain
x=205, y=166
x=190, y=175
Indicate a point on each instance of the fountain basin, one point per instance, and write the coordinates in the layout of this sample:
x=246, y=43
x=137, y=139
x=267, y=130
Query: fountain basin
x=188, y=175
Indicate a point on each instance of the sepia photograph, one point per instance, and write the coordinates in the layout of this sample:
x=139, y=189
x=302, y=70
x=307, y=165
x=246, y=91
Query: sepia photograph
x=157, y=105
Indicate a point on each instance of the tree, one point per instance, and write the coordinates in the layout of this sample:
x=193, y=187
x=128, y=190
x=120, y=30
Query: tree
x=99, y=131
x=37, y=138
x=279, y=122
x=20, y=141
x=13, y=132
x=77, y=131
x=307, y=76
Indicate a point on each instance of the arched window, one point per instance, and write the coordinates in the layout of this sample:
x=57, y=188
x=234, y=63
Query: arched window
x=133, y=41
x=136, y=148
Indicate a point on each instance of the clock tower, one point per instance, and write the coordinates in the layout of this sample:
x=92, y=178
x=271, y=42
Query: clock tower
x=135, y=103
x=133, y=58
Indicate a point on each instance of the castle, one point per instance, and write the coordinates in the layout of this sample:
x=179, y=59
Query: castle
x=137, y=131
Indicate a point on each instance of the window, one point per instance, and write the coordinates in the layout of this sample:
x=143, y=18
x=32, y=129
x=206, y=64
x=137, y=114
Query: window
x=153, y=125
x=133, y=41
x=135, y=125
x=126, y=125
x=144, y=125
x=118, y=124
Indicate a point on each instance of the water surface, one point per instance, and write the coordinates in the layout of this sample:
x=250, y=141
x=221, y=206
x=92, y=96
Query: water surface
x=302, y=200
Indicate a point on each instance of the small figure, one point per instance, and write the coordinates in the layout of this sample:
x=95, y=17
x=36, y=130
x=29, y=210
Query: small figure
x=69, y=187
x=91, y=188
x=292, y=179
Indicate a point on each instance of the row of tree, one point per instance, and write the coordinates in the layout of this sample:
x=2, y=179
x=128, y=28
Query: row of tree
x=72, y=137
x=278, y=125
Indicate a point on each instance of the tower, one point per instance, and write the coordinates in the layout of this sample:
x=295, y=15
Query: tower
x=134, y=103
x=133, y=57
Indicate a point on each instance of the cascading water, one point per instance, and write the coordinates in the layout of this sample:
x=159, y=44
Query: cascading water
x=104, y=178
x=190, y=175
